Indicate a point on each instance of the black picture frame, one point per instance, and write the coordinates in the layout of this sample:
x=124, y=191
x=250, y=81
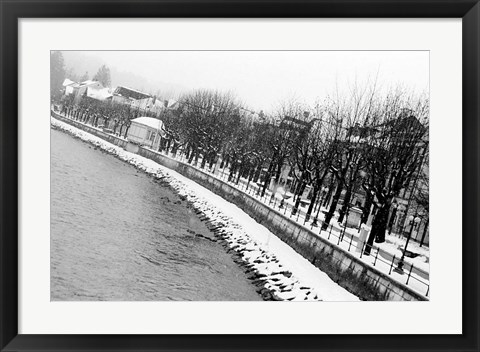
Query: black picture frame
x=11, y=11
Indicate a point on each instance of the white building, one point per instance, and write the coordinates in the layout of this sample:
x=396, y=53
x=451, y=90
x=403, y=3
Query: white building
x=153, y=105
x=80, y=90
x=146, y=131
x=128, y=96
x=69, y=86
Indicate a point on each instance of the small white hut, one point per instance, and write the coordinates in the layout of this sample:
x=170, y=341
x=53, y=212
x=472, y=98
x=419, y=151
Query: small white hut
x=146, y=131
x=69, y=86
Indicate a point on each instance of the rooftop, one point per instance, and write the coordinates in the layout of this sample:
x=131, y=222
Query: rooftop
x=99, y=94
x=130, y=93
x=67, y=82
x=150, y=122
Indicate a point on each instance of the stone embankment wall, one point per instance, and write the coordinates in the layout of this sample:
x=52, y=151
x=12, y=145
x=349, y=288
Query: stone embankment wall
x=345, y=269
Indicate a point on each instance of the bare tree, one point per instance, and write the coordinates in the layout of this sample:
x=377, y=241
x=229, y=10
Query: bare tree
x=324, y=135
x=207, y=120
x=289, y=127
x=350, y=114
x=395, y=149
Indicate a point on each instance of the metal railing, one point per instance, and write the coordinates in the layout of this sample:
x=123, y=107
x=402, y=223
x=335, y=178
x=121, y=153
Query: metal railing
x=252, y=189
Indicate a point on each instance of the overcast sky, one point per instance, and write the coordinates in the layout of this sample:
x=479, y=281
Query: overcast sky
x=262, y=79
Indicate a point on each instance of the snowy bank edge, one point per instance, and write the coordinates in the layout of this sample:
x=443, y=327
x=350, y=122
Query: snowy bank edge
x=269, y=274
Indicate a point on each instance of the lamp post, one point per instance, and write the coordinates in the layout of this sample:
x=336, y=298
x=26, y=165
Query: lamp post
x=413, y=220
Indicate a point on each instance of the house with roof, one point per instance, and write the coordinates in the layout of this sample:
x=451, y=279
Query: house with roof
x=157, y=106
x=69, y=86
x=146, y=131
x=128, y=96
x=153, y=105
x=80, y=91
x=140, y=104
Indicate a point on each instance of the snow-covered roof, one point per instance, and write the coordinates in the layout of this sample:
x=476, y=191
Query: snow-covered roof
x=170, y=103
x=99, y=94
x=150, y=122
x=67, y=82
x=89, y=82
x=130, y=93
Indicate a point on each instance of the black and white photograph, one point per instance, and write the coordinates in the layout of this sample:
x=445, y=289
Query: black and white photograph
x=239, y=175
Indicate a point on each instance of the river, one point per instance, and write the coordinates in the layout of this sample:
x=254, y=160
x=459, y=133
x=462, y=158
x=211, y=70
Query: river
x=119, y=235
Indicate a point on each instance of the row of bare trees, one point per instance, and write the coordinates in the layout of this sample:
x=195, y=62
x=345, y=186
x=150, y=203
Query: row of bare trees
x=365, y=142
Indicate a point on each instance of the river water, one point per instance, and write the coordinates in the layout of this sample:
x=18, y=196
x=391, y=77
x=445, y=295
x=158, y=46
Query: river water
x=117, y=234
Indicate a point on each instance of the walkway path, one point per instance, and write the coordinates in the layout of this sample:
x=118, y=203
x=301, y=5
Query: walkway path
x=384, y=259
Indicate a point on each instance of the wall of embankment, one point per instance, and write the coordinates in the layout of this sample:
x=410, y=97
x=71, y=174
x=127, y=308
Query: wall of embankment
x=348, y=271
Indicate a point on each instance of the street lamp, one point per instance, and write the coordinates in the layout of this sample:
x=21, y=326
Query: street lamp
x=413, y=221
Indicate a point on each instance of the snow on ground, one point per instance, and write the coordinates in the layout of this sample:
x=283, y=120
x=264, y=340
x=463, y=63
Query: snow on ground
x=392, y=241
x=417, y=279
x=283, y=273
x=394, y=245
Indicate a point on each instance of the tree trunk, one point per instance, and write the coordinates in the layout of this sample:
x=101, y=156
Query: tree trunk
x=312, y=203
x=392, y=220
x=299, y=198
x=366, y=207
x=266, y=182
x=191, y=155
x=293, y=188
x=212, y=161
x=298, y=190
x=379, y=225
x=204, y=161
x=278, y=172
x=257, y=173
x=330, y=191
x=233, y=167
x=346, y=201
x=331, y=210
x=250, y=176
x=174, y=149
x=224, y=161
x=268, y=176
x=239, y=174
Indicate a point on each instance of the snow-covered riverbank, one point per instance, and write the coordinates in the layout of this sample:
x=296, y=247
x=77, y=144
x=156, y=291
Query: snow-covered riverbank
x=278, y=271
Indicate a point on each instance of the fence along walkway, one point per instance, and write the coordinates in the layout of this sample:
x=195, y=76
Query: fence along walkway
x=384, y=261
